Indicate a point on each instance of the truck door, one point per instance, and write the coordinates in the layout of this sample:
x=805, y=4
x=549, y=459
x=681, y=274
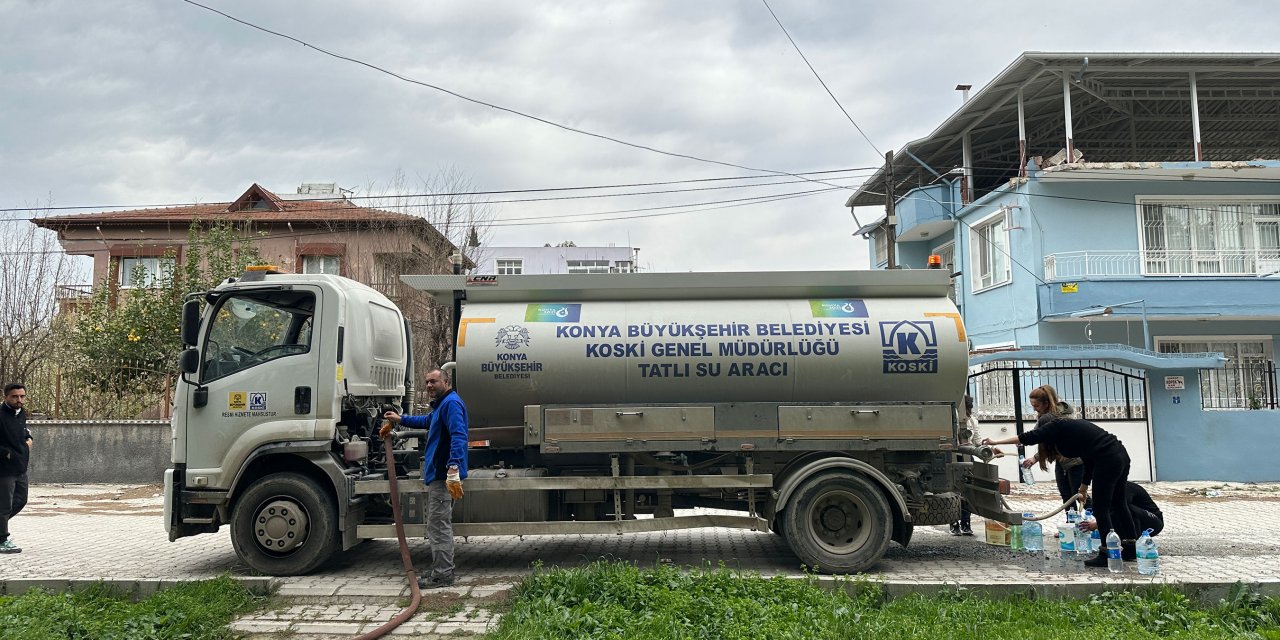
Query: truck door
x=259, y=368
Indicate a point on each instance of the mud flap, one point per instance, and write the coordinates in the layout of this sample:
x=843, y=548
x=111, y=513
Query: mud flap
x=979, y=483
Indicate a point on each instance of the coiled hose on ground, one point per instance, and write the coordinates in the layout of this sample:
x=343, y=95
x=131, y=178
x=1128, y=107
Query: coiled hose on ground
x=409, y=573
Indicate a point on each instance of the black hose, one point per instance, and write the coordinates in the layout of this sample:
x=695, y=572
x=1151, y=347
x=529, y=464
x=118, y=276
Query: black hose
x=409, y=573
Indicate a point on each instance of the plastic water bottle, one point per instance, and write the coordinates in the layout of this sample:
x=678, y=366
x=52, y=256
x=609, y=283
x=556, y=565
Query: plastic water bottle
x=1073, y=516
x=1148, y=555
x=1066, y=546
x=1114, y=563
x=1028, y=478
x=1093, y=539
x=1015, y=537
x=1032, y=534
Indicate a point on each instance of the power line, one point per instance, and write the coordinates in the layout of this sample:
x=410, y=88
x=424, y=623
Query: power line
x=486, y=193
x=820, y=81
x=758, y=200
x=559, y=218
x=698, y=208
x=492, y=105
x=642, y=193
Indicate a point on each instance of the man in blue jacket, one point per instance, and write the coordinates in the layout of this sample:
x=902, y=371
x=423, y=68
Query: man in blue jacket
x=444, y=467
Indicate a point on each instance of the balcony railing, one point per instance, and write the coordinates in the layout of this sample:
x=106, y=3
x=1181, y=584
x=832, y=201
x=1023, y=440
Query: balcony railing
x=1097, y=265
x=73, y=291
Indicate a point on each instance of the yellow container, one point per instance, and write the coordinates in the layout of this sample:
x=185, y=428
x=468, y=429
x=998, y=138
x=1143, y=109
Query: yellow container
x=997, y=533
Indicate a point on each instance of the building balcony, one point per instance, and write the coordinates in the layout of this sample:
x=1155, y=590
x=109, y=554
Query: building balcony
x=924, y=213
x=72, y=292
x=1101, y=265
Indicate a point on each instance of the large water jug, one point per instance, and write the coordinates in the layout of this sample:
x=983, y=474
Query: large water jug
x=1148, y=555
x=1032, y=534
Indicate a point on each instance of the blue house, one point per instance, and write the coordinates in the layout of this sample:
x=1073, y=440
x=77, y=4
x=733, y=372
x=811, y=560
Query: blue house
x=1120, y=212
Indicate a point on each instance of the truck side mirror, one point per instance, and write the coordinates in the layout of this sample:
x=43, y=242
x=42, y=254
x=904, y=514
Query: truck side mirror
x=190, y=324
x=189, y=360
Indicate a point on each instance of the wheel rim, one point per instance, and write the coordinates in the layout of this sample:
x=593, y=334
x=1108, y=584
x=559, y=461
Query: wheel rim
x=838, y=520
x=280, y=525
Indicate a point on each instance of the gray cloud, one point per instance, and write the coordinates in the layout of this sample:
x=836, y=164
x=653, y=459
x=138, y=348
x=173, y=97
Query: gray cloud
x=149, y=102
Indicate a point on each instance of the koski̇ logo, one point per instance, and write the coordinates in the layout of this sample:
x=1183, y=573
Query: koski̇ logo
x=910, y=346
x=512, y=337
x=838, y=308
x=552, y=312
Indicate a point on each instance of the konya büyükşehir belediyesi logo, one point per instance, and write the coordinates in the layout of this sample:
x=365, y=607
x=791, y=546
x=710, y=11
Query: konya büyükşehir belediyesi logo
x=910, y=346
x=552, y=312
x=838, y=308
x=512, y=337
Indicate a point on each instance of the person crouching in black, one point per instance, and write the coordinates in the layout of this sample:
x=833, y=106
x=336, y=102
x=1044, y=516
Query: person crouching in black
x=1146, y=513
x=1106, y=465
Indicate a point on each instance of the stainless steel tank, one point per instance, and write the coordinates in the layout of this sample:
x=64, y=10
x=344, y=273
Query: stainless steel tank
x=702, y=338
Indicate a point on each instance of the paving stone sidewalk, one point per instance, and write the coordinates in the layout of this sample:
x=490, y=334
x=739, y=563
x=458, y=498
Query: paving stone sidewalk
x=76, y=534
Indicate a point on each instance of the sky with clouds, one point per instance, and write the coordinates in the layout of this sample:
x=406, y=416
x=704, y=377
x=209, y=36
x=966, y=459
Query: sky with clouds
x=161, y=101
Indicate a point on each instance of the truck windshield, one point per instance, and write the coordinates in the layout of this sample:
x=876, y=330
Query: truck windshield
x=251, y=328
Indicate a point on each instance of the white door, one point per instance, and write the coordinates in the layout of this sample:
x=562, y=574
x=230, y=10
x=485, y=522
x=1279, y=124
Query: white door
x=259, y=360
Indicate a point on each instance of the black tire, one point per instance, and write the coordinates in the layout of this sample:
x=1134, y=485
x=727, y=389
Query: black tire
x=936, y=509
x=838, y=522
x=286, y=524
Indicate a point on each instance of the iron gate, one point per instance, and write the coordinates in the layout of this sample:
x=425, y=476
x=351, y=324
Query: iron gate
x=1099, y=391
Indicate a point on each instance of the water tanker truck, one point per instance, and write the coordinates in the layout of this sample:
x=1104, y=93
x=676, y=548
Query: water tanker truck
x=819, y=406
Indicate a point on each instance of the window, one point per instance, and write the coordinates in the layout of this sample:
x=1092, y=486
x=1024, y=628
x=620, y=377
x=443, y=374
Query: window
x=948, y=254
x=1181, y=237
x=510, y=266
x=990, y=252
x=1237, y=385
x=588, y=266
x=144, y=272
x=331, y=265
x=250, y=329
x=882, y=246
x=621, y=266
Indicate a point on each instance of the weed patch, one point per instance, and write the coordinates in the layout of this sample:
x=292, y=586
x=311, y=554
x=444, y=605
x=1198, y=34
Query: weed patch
x=620, y=601
x=194, y=611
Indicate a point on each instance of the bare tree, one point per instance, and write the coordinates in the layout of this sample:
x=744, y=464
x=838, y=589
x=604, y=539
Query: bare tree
x=446, y=201
x=464, y=221
x=32, y=266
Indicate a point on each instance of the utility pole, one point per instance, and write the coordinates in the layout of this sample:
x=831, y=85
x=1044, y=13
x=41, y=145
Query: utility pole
x=890, y=218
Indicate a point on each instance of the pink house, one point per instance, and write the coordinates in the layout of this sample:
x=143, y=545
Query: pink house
x=317, y=230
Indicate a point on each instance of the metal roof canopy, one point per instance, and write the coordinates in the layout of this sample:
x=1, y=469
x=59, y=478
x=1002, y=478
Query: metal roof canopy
x=1122, y=354
x=1126, y=107
x=920, y=283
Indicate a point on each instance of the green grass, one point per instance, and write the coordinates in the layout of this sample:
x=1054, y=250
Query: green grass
x=615, y=600
x=194, y=611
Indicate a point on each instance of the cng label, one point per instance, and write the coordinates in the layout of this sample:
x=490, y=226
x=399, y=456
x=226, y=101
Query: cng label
x=552, y=312
x=909, y=346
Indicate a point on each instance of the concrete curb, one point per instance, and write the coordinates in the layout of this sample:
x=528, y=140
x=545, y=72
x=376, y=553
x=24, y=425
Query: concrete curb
x=134, y=588
x=1203, y=592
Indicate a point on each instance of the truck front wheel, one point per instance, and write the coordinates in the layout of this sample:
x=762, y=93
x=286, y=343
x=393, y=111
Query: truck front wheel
x=838, y=522
x=284, y=525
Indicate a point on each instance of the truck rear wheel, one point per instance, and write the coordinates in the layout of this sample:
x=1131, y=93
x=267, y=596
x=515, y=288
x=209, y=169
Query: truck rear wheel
x=284, y=525
x=838, y=522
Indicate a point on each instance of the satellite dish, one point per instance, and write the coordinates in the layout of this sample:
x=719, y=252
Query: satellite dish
x=243, y=309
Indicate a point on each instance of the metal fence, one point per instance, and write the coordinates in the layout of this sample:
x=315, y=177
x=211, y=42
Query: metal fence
x=1098, y=391
x=1241, y=385
x=1069, y=265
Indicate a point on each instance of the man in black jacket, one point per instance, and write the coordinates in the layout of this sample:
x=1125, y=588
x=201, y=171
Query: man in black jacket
x=15, y=451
